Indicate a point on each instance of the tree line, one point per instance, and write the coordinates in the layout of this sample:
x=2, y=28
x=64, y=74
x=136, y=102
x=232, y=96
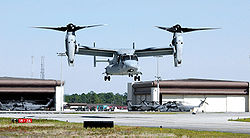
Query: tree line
x=97, y=98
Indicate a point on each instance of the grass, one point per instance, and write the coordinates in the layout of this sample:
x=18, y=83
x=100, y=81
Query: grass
x=53, y=128
x=241, y=119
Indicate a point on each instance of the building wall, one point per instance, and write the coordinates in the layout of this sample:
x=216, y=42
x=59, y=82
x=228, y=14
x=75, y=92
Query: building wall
x=59, y=98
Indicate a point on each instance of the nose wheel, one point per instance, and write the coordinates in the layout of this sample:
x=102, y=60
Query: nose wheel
x=107, y=78
x=137, y=78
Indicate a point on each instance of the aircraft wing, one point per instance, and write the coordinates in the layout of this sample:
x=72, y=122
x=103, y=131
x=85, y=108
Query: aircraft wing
x=154, y=52
x=92, y=51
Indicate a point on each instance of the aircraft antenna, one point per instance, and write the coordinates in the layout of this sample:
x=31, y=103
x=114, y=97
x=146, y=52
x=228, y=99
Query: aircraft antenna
x=42, y=73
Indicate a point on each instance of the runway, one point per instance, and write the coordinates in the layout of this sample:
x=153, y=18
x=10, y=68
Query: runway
x=200, y=121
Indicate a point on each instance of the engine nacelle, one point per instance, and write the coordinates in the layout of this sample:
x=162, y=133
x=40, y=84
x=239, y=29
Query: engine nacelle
x=177, y=62
x=178, y=55
x=70, y=62
x=177, y=44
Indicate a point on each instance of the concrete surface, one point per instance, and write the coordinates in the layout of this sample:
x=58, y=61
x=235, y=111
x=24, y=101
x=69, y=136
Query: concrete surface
x=200, y=121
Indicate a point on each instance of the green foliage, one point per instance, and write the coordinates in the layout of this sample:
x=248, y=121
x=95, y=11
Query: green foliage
x=241, y=119
x=100, y=98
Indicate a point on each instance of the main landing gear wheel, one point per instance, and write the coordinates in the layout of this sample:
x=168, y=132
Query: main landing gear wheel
x=138, y=78
x=107, y=78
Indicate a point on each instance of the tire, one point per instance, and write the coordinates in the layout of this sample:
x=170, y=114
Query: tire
x=135, y=78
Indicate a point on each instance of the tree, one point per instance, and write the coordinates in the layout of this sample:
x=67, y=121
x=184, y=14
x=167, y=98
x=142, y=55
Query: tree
x=93, y=98
x=100, y=98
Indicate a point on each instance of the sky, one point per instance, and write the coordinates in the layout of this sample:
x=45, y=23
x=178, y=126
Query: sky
x=216, y=54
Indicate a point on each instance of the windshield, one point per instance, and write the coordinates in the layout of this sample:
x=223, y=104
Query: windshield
x=129, y=57
x=133, y=57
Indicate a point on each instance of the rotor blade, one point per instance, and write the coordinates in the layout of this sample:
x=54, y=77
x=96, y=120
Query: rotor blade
x=196, y=29
x=88, y=26
x=163, y=28
x=54, y=28
x=170, y=29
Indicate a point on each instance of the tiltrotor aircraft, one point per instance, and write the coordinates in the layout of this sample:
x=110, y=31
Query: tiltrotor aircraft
x=125, y=61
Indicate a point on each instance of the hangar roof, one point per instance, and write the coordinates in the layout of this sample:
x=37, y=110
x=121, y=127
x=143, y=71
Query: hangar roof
x=193, y=83
x=10, y=81
x=29, y=85
x=194, y=86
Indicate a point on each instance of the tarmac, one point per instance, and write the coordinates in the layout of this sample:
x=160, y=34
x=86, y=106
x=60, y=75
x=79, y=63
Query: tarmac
x=200, y=121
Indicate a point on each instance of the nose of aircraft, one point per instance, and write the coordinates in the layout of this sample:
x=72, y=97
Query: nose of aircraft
x=132, y=64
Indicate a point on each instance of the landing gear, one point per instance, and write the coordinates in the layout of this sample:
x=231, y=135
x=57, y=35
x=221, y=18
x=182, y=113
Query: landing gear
x=138, y=78
x=130, y=75
x=107, y=78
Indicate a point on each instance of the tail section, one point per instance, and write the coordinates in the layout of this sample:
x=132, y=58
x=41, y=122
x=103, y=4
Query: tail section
x=50, y=101
x=129, y=103
x=144, y=102
x=202, y=102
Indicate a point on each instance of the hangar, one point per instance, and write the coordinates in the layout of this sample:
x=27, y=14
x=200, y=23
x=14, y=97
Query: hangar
x=222, y=95
x=14, y=92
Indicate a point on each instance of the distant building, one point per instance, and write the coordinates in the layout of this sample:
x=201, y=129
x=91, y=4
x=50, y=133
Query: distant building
x=222, y=95
x=31, y=91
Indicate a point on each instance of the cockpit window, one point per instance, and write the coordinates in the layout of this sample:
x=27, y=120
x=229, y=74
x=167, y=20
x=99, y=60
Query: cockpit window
x=129, y=57
x=126, y=57
x=133, y=57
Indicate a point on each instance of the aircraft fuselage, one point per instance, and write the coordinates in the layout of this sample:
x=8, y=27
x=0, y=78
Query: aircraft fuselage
x=123, y=65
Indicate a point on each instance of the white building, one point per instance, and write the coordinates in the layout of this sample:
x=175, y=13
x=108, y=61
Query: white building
x=222, y=96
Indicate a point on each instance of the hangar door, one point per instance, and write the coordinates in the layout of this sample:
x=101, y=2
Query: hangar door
x=235, y=103
x=216, y=103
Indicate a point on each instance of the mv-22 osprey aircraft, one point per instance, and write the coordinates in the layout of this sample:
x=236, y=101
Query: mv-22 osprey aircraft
x=125, y=61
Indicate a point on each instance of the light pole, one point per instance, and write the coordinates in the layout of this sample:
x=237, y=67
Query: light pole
x=61, y=55
x=158, y=78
